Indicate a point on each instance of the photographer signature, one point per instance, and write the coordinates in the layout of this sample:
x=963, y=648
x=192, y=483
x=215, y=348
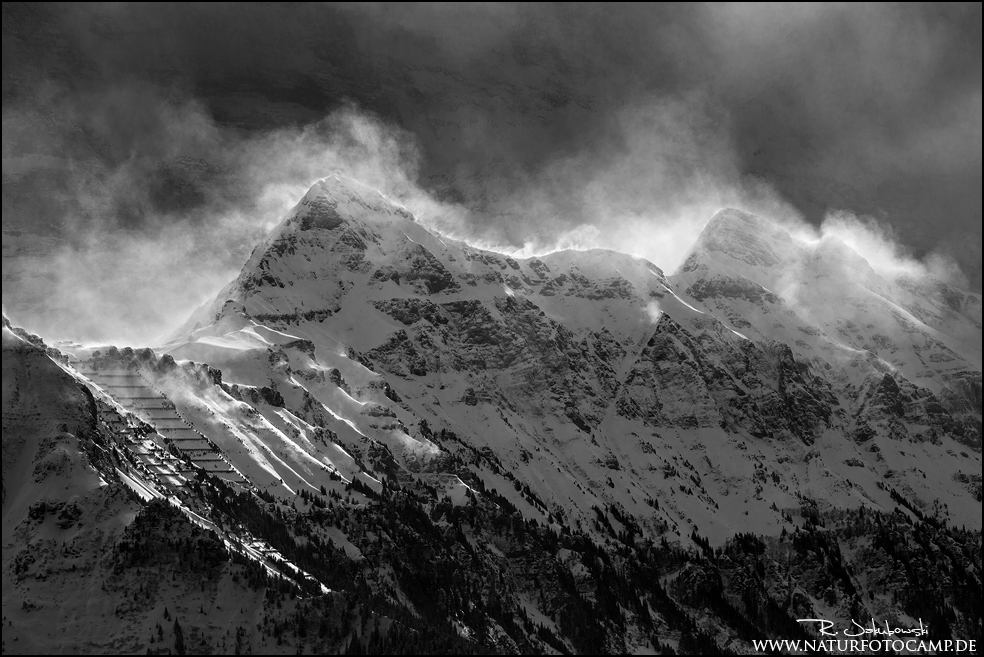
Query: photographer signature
x=872, y=629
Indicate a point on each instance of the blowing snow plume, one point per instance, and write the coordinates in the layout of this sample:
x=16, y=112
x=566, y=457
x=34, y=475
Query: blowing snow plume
x=141, y=243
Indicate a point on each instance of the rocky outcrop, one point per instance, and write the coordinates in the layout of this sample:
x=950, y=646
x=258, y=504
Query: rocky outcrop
x=719, y=379
x=892, y=406
x=731, y=287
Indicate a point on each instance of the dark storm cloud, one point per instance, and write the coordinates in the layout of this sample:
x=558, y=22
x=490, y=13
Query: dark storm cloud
x=621, y=125
x=870, y=108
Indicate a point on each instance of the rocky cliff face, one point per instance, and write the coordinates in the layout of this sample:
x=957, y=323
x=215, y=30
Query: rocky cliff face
x=720, y=379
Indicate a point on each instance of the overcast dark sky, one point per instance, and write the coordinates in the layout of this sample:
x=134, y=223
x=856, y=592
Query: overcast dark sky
x=538, y=119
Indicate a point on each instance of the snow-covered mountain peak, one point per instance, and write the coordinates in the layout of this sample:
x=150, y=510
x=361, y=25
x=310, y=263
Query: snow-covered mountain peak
x=826, y=301
x=742, y=236
x=832, y=257
x=338, y=199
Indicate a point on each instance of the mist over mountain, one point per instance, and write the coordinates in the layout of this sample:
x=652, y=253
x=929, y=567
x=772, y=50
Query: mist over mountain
x=148, y=132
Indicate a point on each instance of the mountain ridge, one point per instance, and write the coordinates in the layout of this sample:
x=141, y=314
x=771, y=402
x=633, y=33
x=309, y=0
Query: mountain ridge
x=447, y=315
x=387, y=393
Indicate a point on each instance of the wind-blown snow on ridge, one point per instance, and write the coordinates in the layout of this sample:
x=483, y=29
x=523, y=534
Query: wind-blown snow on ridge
x=825, y=301
x=590, y=373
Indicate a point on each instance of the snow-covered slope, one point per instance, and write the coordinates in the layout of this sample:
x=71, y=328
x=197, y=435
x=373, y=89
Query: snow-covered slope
x=708, y=400
x=83, y=558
